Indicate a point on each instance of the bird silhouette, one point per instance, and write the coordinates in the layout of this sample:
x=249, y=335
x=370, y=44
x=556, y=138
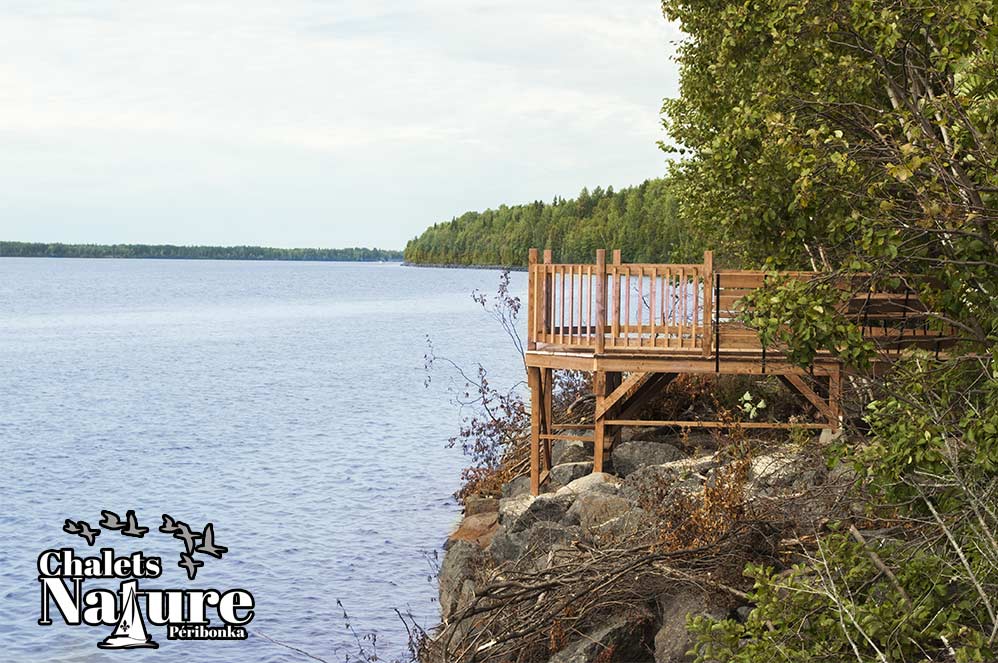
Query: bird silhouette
x=82, y=529
x=190, y=564
x=111, y=520
x=169, y=525
x=133, y=528
x=208, y=546
x=184, y=533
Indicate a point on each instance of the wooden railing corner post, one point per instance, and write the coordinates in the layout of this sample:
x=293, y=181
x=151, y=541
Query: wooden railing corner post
x=600, y=301
x=531, y=300
x=708, y=296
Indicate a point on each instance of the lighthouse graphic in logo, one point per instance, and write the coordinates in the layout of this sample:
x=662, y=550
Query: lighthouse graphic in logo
x=130, y=631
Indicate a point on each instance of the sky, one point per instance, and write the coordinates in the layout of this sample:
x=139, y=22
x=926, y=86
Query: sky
x=327, y=123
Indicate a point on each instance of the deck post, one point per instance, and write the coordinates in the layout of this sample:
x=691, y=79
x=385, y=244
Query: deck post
x=835, y=395
x=547, y=401
x=531, y=305
x=600, y=301
x=708, y=294
x=548, y=295
x=599, y=423
x=615, y=323
x=534, y=380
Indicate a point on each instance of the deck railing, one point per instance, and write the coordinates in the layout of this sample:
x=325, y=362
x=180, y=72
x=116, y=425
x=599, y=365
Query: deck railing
x=618, y=306
x=685, y=309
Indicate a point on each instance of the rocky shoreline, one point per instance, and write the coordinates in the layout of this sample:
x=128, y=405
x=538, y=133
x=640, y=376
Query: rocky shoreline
x=583, y=515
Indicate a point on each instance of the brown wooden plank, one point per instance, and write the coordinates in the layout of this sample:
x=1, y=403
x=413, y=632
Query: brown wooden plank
x=624, y=391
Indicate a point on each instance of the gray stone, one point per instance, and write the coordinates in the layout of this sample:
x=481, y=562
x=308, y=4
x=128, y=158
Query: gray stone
x=549, y=508
x=658, y=480
x=673, y=640
x=543, y=536
x=460, y=563
x=511, y=508
x=506, y=546
x=570, y=451
x=742, y=613
x=596, y=481
x=518, y=486
x=566, y=473
x=624, y=635
x=633, y=524
x=635, y=454
x=592, y=509
x=476, y=504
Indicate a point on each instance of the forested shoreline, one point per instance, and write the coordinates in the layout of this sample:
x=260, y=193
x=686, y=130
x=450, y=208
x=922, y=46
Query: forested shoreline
x=641, y=220
x=170, y=251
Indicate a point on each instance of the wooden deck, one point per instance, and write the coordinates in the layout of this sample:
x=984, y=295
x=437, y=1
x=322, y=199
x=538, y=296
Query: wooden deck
x=636, y=327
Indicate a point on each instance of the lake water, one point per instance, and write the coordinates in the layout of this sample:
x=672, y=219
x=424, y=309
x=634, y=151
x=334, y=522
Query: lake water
x=283, y=402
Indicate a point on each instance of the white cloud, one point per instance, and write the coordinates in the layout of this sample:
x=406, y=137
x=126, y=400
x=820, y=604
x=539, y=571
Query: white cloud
x=284, y=122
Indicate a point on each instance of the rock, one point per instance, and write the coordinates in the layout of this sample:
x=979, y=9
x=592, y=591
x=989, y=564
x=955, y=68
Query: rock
x=511, y=508
x=634, y=524
x=596, y=481
x=774, y=468
x=459, y=564
x=506, y=546
x=658, y=481
x=476, y=504
x=478, y=529
x=592, y=509
x=673, y=640
x=549, y=508
x=571, y=451
x=687, y=467
x=742, y=613
x=569, y=472
x=544, y=536
x=635, y=454
x=619, y=641
x=518, y=486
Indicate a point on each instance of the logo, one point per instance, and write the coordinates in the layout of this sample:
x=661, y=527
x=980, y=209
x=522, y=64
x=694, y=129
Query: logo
x=186, y=613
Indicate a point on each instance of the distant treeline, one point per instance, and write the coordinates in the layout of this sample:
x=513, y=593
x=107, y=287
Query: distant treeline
x=168, y=251
x=641, y=221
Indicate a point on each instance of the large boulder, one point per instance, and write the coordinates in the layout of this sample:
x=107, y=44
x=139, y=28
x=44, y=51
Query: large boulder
x=592, y=509
x=621, y=640
x=460, y=563
x=600, y=482
x=566, y=473
x=511, y=508
x=634, y=524
x=476, y=504
x=550, y=508
x=478, y=528
x=545, y=535
x=673, y=640
x=659, y=482
x=571, y=451
x=506, y=546
x=635, y=454
x=517, y=486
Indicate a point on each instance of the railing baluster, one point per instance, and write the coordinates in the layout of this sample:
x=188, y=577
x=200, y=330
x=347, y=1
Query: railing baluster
x=651, y=308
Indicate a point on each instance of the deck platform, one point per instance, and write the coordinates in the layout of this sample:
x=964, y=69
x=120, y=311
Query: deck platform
x=635, y=327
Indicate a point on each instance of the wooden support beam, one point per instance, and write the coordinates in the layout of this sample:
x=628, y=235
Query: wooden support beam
x=642, y=396
x=547, y=390
x=531, y=304
x=534, y=380
x=835, y=397
x=626, y=389
x=798, y=383
x=643, y=423
x=599, y=431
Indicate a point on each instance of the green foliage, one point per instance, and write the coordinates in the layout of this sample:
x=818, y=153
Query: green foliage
x=641, y=221
x=841, y=607
x=41, y=250
x=860, y=139
x=804, y=318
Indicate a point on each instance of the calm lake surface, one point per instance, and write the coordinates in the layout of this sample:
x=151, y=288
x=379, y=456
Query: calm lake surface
x=283, y=402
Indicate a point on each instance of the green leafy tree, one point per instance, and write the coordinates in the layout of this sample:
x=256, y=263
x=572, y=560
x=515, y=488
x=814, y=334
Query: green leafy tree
x=860, y=139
